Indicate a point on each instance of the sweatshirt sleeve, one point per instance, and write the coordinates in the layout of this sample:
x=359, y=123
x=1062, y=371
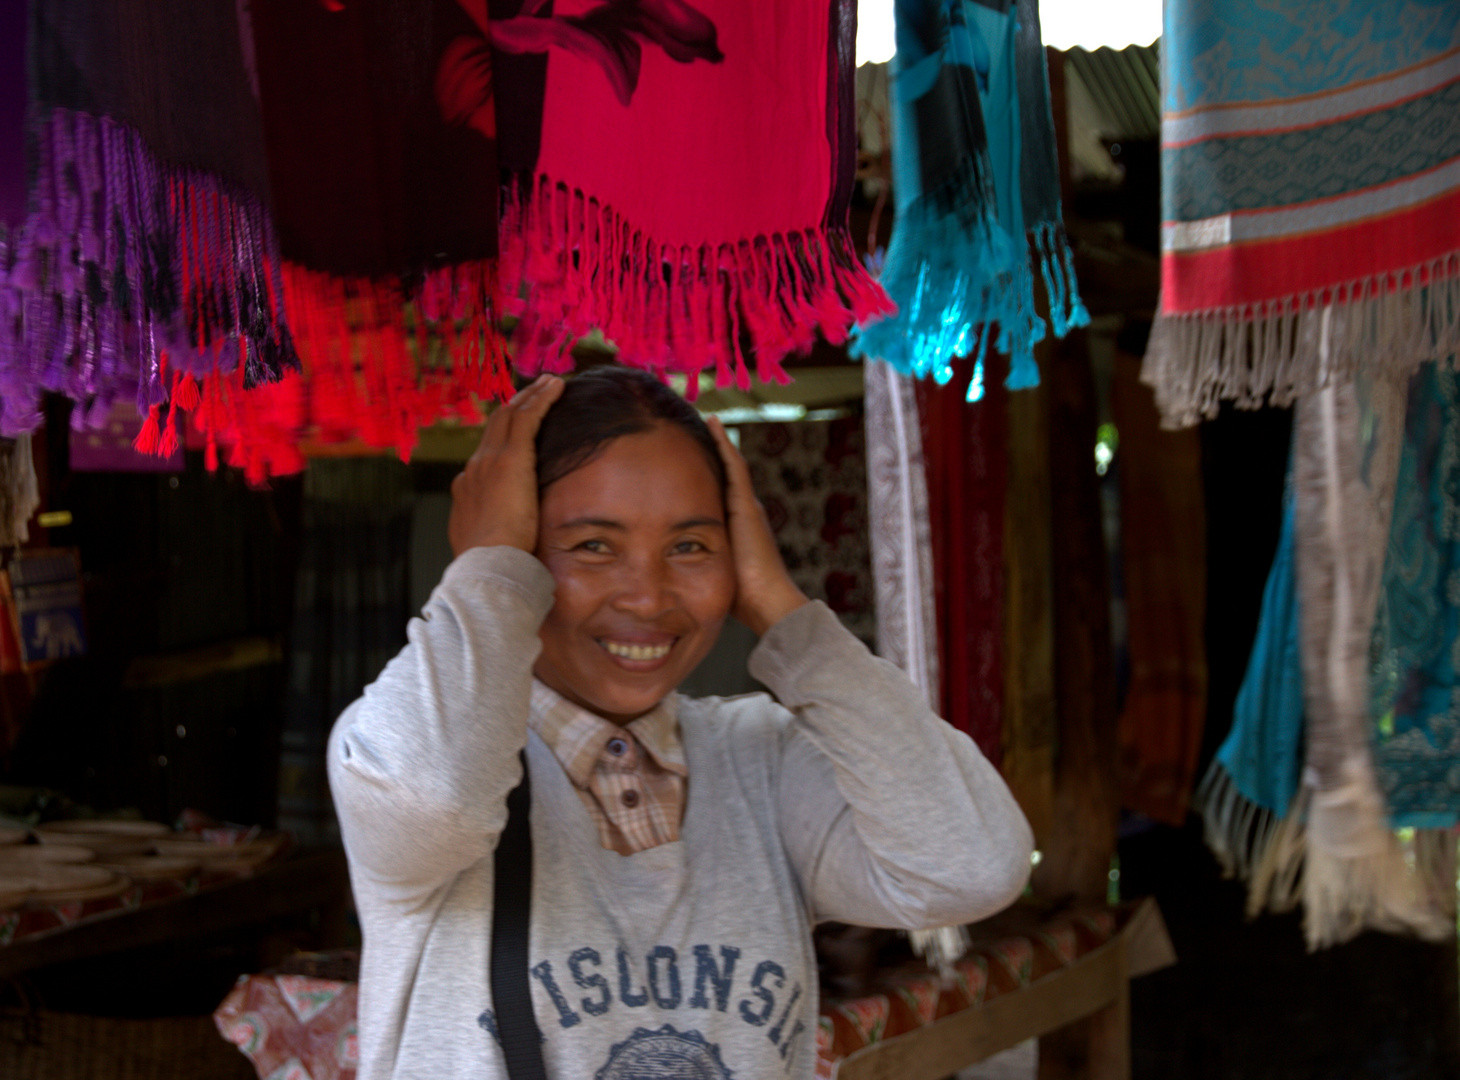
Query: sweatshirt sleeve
x=891, y=816
x=421, y=765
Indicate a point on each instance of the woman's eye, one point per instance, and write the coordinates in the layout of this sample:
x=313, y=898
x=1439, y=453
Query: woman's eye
x=689, y=547
x=595, y=547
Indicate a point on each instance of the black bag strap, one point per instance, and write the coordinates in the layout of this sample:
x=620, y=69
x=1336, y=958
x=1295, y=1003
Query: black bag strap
x=517, y=1029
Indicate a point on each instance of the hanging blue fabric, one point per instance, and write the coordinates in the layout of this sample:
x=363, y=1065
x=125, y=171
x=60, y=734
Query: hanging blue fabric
x=972, y=146
x=1263, y=753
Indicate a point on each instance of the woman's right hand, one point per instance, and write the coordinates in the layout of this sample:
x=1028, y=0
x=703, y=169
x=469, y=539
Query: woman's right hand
x=494, y=499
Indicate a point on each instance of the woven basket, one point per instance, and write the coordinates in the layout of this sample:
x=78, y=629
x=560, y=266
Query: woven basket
x=36, y=1044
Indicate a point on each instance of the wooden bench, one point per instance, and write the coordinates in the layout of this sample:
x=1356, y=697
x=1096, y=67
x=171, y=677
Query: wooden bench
x=1094, y=984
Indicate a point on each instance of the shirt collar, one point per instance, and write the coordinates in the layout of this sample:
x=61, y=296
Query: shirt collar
x=577, y=736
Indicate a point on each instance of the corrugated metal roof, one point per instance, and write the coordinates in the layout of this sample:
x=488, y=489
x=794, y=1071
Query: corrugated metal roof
x=1124, y=85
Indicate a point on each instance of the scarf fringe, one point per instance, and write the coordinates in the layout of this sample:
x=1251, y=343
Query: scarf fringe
x=1347, y=881
x=580, y=266
x=954, y=279
x=123, y=260
x=20, y=495
x=378, y=366
x=1275, y=352
x=1238, y=831
x=1357, y=874
x=1057, y=265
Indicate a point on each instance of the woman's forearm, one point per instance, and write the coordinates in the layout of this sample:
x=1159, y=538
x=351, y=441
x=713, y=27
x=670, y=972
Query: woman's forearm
x=421, y=765
x=921, y=829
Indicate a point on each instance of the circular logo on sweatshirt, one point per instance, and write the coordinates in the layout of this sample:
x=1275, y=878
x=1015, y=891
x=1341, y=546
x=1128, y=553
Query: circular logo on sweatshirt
x=665, y=1054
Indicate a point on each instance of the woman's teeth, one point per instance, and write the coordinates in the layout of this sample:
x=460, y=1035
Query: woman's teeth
x=637, y=652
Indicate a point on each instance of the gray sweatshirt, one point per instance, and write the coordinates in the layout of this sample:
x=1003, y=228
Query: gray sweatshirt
x=842, y=798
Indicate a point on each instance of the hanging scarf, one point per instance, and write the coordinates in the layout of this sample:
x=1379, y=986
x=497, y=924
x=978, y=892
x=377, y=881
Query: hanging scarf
x=1311, y=196
x=1417, y=631
x=974, y=172
x=682, y=176
x=1347, y=442
x=12, y=121
x=1163, y=546
x=380, y=129
x=965, y=454
x=1247, y=793
x=148, y=243
x=900, y=530
x=174, y=146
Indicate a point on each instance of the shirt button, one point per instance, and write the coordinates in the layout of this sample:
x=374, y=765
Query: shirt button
x=629, y=799
x=616, y=747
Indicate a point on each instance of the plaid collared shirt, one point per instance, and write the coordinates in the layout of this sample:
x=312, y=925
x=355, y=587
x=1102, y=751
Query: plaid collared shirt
x=631, y=779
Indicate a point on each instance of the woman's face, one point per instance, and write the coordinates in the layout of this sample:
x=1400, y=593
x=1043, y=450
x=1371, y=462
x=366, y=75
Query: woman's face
x=637, y=542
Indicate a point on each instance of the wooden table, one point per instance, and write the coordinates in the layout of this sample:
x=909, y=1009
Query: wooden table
x=295, y=884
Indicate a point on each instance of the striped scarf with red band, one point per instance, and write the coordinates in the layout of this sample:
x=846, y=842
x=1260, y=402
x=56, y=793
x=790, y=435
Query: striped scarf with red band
x=1310, y=197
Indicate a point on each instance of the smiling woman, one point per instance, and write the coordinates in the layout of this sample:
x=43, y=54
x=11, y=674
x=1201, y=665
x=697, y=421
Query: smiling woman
x=681, y=849
x=644, y=573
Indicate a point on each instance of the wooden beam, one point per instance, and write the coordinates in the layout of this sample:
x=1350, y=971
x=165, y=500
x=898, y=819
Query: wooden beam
x=236, y=655
x=1096, y=985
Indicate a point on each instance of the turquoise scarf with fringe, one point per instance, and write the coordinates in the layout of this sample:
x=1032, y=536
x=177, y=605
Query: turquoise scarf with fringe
x=976, y=180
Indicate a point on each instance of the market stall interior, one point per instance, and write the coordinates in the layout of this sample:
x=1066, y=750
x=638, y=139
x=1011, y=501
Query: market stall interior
x=1107, y=392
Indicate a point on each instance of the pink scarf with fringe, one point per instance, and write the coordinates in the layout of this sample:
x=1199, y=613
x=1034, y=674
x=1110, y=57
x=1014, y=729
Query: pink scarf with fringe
x=687, y=193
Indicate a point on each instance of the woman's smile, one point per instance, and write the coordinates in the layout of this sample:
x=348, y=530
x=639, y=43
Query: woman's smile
x=637, y=656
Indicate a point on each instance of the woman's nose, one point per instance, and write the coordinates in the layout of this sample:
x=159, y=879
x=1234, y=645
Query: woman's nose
x=645, y=589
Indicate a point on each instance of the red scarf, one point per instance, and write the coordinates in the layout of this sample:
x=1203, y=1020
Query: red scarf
x=686, y=191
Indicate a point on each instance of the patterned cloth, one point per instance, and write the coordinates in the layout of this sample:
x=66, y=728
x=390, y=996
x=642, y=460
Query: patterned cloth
x=384, y=177
x=1347, y=441
x=221, y=189
x=973, y=171
x=147, y=238
x=1415, y=685
x=293, y=1027
x=1311, y=196
x=812, y=479
x=631, y=779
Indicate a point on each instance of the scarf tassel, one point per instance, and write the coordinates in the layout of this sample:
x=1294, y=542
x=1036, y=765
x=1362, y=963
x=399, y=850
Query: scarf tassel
x=1275, y=352
x=674, y=309
x=378, y=366
x=1348, y=875
x=121, y=259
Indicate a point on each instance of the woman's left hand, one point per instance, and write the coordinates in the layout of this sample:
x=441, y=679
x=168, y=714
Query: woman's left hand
x=764, y=591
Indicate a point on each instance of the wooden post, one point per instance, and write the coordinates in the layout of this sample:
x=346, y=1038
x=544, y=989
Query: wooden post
x=1029, y=708
x=1081, y=841
x=1086, y=798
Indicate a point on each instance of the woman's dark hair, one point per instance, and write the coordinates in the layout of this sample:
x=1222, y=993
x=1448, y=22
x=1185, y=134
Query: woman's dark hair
x=606, y=403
